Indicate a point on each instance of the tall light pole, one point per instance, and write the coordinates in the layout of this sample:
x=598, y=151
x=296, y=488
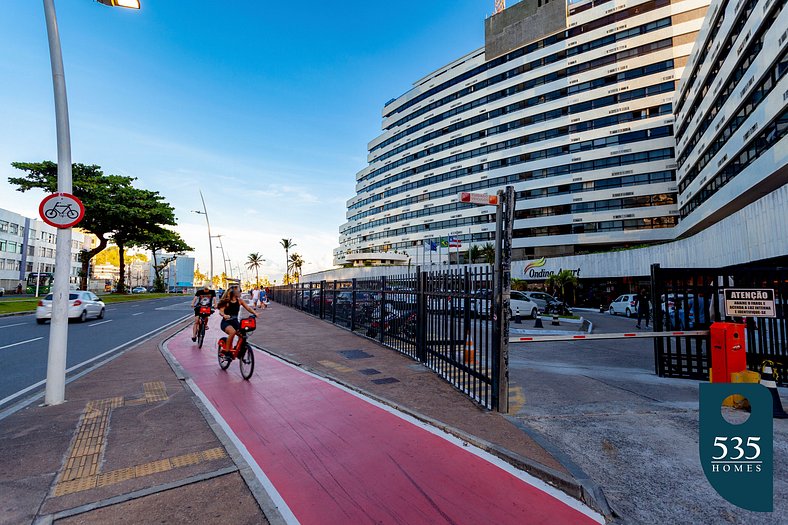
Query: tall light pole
x=224, y=258
x=55, y=392
x=210, y=237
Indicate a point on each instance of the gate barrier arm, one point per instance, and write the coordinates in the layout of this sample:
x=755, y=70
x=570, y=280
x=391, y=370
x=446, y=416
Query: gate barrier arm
x=627, y=335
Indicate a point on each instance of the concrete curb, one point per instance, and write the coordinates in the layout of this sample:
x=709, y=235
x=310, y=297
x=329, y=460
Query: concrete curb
x=584, y=490
x=264, y=500
x=13, y=314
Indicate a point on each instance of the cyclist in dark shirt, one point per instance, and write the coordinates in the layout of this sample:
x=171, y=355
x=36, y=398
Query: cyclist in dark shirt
x=229, y=308
x=204, y=297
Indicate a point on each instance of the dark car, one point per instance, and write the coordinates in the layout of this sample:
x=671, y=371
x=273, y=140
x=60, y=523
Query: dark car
x=547, y=303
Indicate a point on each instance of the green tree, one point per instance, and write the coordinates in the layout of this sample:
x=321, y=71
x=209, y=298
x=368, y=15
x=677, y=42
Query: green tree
x=147, y=213
x=561, y=280
x=99, y=193
x=488, y=252
x=253, y=262
x=288, y=245
x=474, y=252
x=296, y=263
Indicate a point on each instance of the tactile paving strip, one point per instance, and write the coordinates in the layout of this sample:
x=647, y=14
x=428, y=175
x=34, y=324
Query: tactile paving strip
x=82, y=468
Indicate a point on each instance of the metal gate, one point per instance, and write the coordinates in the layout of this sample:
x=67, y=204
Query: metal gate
x=692, y=299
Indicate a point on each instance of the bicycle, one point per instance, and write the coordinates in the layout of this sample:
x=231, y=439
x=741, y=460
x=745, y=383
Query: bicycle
x=242, y=351
x=67, y=211
x=204, y=312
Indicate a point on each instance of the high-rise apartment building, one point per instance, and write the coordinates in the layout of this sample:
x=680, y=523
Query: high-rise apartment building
x=570, y=103
x=732, y=120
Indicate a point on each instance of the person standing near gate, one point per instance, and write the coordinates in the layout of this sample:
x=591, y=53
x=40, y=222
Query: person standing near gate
x=644, y=308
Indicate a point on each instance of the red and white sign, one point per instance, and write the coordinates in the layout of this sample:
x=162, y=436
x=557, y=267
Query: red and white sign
x=61, y=210
x=479, y=198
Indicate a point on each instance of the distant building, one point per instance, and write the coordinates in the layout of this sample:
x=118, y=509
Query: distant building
x=178, y=275
x=27, y=245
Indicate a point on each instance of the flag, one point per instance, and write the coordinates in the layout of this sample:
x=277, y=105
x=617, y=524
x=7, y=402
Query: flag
x=444, y=243
x=433, y=246
x=455, y=242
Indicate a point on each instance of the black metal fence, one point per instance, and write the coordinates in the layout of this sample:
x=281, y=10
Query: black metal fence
x=442, y=319
x=692, y=299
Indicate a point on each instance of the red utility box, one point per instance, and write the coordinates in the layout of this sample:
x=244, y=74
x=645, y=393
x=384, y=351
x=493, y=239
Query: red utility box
x=728, y=351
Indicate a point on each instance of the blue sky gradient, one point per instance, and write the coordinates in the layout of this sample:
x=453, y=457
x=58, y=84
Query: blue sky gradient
x=265, y=106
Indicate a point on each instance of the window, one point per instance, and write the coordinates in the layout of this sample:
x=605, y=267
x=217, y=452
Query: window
x=13, y=229
x=3, y=226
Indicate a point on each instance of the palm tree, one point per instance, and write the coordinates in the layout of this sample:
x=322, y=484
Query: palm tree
x=473, y=253
x=296, y=262
x=288, y=245
x=488, y=252
x=253, y=262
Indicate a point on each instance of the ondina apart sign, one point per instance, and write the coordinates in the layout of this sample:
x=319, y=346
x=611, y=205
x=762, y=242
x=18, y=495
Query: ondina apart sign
x=538, y=269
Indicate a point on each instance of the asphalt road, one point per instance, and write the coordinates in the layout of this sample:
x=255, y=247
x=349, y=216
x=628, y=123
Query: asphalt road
x=634, y=433
x=24, y=344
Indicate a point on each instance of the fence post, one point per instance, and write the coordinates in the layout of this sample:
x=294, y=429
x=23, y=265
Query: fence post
x=322, y=308
x=421, y=315
x=334, y=304
x=657, y=321
x=353, y=307
x=382, y=308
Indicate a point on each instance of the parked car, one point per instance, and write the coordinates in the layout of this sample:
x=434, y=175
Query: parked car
x=81, y=305
x=139, y=289
x=626, y=304
x=522, y=305
x=547, y=303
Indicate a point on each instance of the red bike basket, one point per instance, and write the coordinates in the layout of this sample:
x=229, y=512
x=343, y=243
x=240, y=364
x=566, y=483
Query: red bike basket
x=205, y=310
x=249, y=324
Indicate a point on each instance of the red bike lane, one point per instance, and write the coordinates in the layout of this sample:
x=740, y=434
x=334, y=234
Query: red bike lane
x=334, y=457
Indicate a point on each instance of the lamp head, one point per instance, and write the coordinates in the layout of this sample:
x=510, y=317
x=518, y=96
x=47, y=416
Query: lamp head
x=131, y=4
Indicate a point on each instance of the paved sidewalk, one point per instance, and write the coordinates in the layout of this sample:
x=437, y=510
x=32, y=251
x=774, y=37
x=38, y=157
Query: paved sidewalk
x=128, y=446
x=326, y=454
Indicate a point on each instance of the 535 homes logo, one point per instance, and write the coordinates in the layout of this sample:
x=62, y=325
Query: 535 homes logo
x=536, y=270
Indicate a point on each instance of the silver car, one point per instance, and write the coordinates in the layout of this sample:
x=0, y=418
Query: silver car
x=81, y=305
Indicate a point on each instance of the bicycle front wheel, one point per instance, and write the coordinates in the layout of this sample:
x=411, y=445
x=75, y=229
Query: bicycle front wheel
x=247, y=363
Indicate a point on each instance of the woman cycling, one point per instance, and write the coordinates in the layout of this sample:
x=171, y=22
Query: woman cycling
x=229, y=308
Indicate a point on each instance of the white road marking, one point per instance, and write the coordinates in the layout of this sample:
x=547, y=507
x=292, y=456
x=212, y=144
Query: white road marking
x=20, y=343
x=10, y=325
x=138, y=313
x=101, y=322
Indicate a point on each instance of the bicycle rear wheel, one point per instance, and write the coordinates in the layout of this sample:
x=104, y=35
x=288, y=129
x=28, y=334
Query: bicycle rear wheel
x=201, y=334
x=247, y=362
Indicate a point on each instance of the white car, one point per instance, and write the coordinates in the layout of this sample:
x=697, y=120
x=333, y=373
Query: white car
x=523, y=306
x=81, y=305
x=626, y=304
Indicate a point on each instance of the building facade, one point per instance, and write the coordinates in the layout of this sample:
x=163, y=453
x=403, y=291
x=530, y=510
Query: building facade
x=571, y=104
x=28, y=246
x=732, y=120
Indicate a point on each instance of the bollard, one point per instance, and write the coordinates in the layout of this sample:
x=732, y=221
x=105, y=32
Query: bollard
x=517, y=318
x=555, y=320
x=538, y=323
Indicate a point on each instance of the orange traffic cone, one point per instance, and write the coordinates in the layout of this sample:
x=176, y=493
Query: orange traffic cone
x=767, y=380
x=469, y=356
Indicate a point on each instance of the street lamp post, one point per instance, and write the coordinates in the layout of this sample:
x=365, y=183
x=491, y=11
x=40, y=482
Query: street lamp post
x=224, y=258
x=55, y=392
x=210, y=237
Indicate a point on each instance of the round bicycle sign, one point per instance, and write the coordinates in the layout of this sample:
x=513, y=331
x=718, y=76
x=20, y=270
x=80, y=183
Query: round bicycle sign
x=61, y=210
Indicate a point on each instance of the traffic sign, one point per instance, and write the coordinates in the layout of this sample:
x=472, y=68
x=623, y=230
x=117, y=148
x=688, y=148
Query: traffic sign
x=749, y=302
x=479, y=198
x=61, y=210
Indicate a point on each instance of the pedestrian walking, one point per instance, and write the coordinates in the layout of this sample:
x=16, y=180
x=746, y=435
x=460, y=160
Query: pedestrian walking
x=255, y=296
x=644, y=308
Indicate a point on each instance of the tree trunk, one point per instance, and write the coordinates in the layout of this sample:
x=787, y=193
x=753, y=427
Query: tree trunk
x=122, y=268
x=86, y=257
x=257, y=275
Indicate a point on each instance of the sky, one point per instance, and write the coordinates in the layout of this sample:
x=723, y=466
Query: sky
x=267, y=107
